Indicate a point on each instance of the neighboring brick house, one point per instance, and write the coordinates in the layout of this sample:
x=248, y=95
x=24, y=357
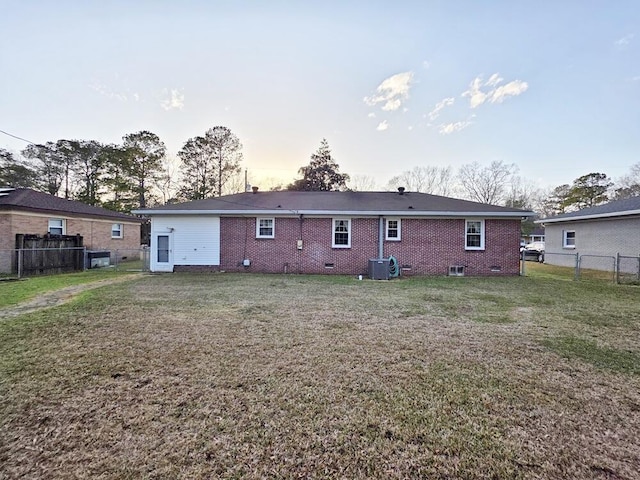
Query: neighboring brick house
x=26, y=211
x=335, y=232
x=596, y=233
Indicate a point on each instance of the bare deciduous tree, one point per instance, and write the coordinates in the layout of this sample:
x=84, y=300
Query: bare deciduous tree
x=628, y=185
x=487, y=184
x=521, y=193
x=362, y=183
x=430, y=179
x=167, y=183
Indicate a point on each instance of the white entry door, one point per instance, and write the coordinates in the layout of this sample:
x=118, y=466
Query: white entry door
x=162, y=253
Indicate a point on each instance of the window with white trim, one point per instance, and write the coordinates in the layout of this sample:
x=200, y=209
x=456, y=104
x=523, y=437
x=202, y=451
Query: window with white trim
x=393, y=229
x=569, y=238
x=341, y=233
x=265, y=227
x=474, y=235
x=56, y=226
x=117, y=230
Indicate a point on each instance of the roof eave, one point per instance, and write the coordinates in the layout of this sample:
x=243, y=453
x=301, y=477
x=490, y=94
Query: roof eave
x=588, y=217
x=45, y=211
x=287, y=212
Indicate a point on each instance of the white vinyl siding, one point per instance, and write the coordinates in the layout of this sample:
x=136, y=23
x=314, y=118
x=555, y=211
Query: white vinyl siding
x=196, y=239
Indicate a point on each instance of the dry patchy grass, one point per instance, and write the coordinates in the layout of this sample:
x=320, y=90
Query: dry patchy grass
x=242, y=376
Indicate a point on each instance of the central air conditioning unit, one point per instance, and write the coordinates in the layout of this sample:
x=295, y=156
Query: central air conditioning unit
x=96, y=259
x=379, y=269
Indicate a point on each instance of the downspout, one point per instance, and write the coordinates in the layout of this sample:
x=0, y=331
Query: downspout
x=300, y=246
x=380, y=236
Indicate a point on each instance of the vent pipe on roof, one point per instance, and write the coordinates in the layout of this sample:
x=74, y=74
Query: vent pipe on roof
x=401, y=190
x=254, y=189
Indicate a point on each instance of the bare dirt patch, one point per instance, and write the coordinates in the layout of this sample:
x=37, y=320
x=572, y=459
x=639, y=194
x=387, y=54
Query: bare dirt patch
x=57, y=297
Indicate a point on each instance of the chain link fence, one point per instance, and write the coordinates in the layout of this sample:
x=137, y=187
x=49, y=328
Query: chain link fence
x=615, y=268
x=132, y=260
x=28, y=262
x=628, y=269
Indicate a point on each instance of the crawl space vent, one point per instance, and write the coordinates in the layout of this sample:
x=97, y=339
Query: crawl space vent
x=456, y=270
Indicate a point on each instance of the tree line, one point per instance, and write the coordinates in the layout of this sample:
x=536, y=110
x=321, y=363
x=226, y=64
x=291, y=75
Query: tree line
x=137, y=174
x=129, y=175
x=497, y=183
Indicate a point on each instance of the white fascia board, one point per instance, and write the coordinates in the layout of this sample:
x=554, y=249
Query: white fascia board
x=335, y=213
x=410, y=213
x=588, y=217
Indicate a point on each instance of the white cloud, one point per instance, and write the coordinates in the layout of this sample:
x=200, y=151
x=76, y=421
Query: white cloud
x=446, y=129
x=476, y=96
x=392, y=92
x=426, y=64
x=494, y=80
x=382, y=126
x=174, y=100
x=372, y=115
x=433, y=114
x=495, y=93
x=103, y=90
x=624, y=41
x=511, y=89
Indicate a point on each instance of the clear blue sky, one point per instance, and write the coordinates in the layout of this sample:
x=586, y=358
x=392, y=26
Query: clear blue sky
x=552, y=86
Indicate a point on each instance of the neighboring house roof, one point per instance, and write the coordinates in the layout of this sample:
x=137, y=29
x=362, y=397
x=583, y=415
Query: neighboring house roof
x=618, y=208
x=336, y=203
x=31, y=200
x=537, y=231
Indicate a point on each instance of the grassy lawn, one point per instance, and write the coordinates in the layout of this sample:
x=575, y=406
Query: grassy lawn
x=16, y=291
x=272, y=376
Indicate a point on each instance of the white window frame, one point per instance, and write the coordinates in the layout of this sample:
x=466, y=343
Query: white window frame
x=57, y=223
x=258, y=227
x=467, y=234
x=117, y=230
x=399, y=228
x=334, y=232
x=565, y=238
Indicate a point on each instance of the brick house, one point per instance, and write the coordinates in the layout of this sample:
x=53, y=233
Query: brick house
x=597, y=233
x=26, y=211
x=335, y=232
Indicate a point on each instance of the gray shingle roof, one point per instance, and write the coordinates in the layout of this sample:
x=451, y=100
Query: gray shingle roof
x=27, y=199
x=371, y=203
x=628, y=206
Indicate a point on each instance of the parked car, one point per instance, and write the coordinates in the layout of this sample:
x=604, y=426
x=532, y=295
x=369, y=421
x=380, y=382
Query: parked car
x=533, y=251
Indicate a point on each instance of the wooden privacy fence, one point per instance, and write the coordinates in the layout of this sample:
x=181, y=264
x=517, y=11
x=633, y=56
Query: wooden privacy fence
x=48, y=254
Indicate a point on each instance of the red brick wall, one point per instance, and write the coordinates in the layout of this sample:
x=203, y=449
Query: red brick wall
x=428, y=247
